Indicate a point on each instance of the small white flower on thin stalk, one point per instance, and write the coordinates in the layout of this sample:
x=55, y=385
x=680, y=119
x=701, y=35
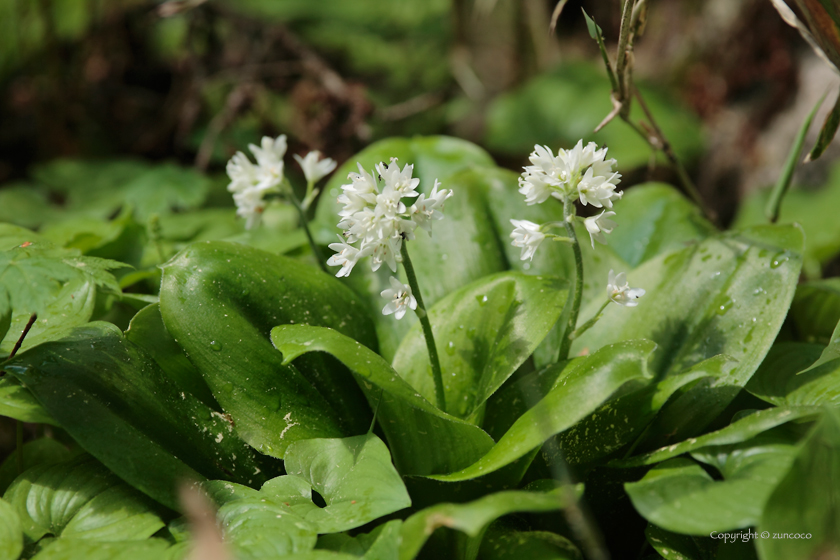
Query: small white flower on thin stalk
x=620, y=292
x=346, y=257
x=377, y=217
x=314, y=168
x=528, y=236
x=598, y=225
x=400, y=299
x=250, y=183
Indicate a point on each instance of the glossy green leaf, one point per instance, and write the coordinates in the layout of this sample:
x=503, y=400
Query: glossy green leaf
x=147, y=331
x=473, y=518
x=806, y=500
x=5, y=312
x=119, y=406
x=654, y=218
x=582, y=391
x=484, y=332
x=617, y=422
x=17, y=402
x=220, y=300
x=727, y=295
x=783, y=362
x=463, y=246
x=534, y=545
x=353, y=475
x=81, y=499
x=679, y=496
x=37, y=452
x=739, y=431
x=11, y=533
x=25, y=205
x=815, y=310
x=538, y=113
x=73, y=549
x=423, y=440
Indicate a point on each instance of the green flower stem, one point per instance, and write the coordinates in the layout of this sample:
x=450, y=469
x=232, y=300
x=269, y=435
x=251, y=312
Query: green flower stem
x=311, y=193
x=437, y=373
x=590, y=323
x=304, y=222
x=568, y=215
x=19, y=446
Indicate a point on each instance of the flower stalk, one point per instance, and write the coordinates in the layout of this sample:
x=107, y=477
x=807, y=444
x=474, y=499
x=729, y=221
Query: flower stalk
x=437, y=373
x=577, y=291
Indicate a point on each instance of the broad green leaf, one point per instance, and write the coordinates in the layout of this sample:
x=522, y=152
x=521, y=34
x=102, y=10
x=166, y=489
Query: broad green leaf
x=219, y=301
x=17, y=402
x=72, y=306
x=617, y=422
x=121, y=407
x=12, y=236
x=74, y=549
x=678, y=547
x=505, y=544
x=806, y=500
x=538, y=113
x=589, y=384
x=679, y=496
x=37, y=452
x=264, y=528
x=353, y=475
x=423, y=440
x=815, y=310
x=727, y=295
x=473, y=518
x=11, y=533
x=5, y=312
x=739, y=431
x=654, y=218
x=147, y=331
x=783, y=362
x=81, y=499
x=380, y=544
x=25, y=205
x=484, y=332
x=463, y=246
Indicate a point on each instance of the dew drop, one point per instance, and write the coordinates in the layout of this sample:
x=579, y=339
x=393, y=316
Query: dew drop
x=215, y=346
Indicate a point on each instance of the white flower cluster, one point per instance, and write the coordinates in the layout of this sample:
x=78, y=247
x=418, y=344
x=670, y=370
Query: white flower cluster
x=580, y=173
x=375, y=215
x=620, y=292
x=249, y=183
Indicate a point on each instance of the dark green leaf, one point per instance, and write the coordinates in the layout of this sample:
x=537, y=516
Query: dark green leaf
x=678, y=547
x=473, y=518
x=783, y=362
x=353, y=475
x=11, y=533
x=119, y=406
x=380, y=544
x=679, y=496
x=806, y=500
x=73, y=549
x=502, y=544
x=588, y=384
x=5, y=312
x=484, y=332
x=147, y=331
x=423, y=440
x=220, y=301
x=81, y=499
x=17, y=402
x=815, y=310
x=728, y=295
x=737, y=432
x=654, y=218
x=38, y=452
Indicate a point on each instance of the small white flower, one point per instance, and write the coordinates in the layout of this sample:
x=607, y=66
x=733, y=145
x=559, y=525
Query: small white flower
x=242, y=173
x=270, y=153
x=315, y=168
x=620, y=292
x=598, y=225
x=346, y=257
x=528, y=236
x=399, y=180
x=400, y=299
x=425, y=210
x=250, y=205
